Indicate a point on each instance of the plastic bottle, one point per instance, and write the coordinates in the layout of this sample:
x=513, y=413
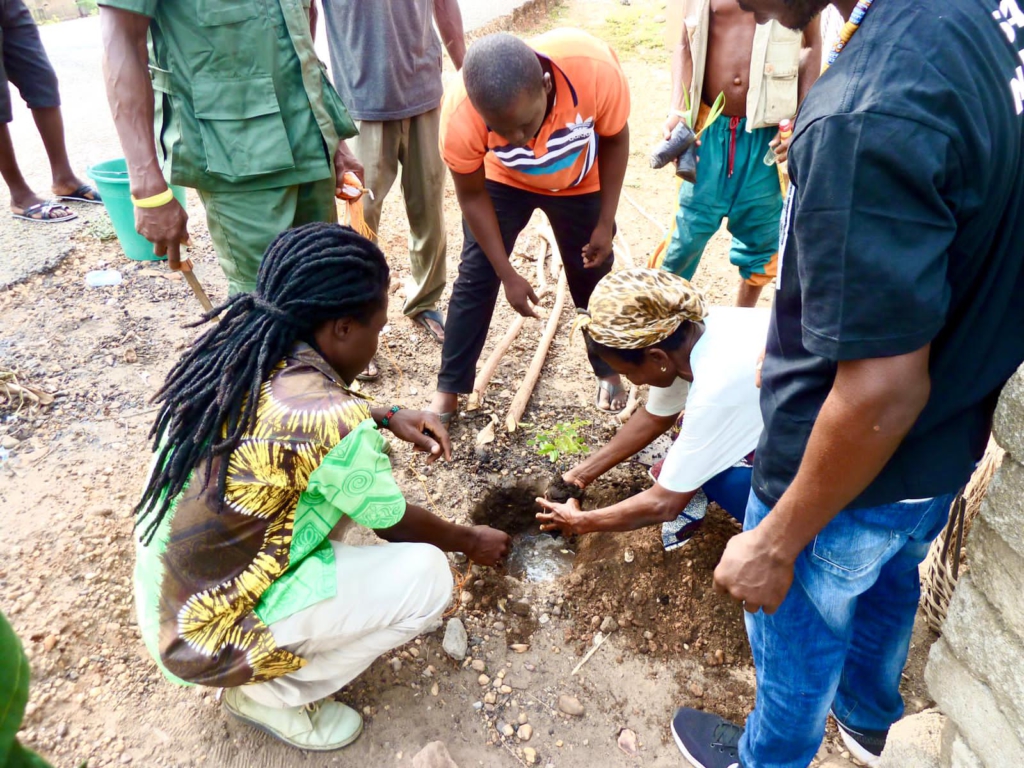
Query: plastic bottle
x=102, y=278
x=785, y=131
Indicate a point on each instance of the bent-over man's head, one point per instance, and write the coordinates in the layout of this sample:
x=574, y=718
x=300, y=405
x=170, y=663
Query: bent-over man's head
x=508, y=86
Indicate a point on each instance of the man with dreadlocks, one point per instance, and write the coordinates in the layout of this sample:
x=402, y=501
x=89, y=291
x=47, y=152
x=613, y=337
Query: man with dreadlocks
x=261, y=452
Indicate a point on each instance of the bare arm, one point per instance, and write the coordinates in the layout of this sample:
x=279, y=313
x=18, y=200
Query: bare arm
x=613, y=157
x=682, y=77
x=130, y=93
x=810, y=58
x=639, y=432
x=481, y=544
x=655, y=505
x=448, y=18
x=483, y=223
x=313, y=14
x=872, y=406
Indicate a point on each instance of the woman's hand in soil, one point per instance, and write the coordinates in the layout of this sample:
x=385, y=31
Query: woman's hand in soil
x=560, y=517
x=573, y=477
x=424, y=430
x=753, y=574
x=519, y=293
x=489, y=545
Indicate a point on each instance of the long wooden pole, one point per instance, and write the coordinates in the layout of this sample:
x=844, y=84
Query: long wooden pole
x=519, y=402
x=490, y=365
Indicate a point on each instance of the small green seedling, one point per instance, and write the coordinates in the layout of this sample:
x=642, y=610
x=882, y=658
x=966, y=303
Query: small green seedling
x=563, y=439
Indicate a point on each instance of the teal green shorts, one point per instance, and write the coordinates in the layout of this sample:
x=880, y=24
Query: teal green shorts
x=732, y=183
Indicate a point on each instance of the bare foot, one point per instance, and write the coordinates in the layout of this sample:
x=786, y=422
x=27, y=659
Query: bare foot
x=611, y=395
x=67, y=186
x=372, y=372
x=23, y=200
x=444, y=403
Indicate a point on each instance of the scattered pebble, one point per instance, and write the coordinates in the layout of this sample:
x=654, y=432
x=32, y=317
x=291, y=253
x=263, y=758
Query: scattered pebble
x=456, y=641
x=525, y=732
x=570, y=705
x=530, y=754
x=479, y=665
x=628, y=742
x=609, y=625
x=484, y=680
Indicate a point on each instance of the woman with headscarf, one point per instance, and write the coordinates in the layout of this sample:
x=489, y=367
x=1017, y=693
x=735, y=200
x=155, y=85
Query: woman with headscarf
x=653, y=327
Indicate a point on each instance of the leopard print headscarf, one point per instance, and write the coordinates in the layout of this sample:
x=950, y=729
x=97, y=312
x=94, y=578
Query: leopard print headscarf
x=637, y=308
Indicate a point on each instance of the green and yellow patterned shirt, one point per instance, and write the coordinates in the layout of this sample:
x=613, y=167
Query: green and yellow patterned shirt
x=212, y=580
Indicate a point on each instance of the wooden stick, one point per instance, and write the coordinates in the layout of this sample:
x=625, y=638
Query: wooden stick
x=621, y=249
x=519, y=402
x=490, y=366
x=645, y=214
x=590, y=653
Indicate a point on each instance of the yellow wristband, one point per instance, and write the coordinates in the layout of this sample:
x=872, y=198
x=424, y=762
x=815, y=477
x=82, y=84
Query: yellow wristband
x=156, y=201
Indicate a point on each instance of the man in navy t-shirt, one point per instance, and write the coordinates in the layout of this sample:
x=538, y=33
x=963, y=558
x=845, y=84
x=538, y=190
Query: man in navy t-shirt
x=899, y=315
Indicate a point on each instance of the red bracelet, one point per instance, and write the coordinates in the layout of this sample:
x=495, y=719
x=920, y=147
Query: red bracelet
x=386, y=421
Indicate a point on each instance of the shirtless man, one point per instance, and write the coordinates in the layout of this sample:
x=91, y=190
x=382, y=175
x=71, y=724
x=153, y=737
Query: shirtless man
x=715, y=54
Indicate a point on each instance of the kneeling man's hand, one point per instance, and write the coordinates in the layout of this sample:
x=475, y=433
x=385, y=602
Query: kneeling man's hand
x=490, y=546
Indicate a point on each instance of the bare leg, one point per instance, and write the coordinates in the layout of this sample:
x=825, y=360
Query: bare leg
x=748, y=294
x=51, y=129
x=22, y=195
x=444, y=402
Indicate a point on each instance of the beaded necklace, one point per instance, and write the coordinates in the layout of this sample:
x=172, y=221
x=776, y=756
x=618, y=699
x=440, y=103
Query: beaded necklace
x=849, y=29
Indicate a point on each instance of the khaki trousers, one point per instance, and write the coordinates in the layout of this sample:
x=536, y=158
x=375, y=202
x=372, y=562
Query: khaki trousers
x=412, y=143
x=387, y=595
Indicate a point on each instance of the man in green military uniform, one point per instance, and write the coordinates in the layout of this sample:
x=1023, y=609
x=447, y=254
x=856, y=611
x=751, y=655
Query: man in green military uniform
x=229, y=99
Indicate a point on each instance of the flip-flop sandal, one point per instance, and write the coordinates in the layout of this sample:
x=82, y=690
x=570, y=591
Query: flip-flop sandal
x=372, y=372
x=79, y=195
x=447, y=418
x=44, y=210
x=420, y=318
x=612, y=390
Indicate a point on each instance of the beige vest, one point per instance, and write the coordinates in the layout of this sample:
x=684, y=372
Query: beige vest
x=774, y=63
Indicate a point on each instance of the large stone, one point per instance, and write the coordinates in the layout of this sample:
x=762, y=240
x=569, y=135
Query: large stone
x=1009, y=418
x=962, y=756
x=434, y=755
x=456, y=641
x=915, y=742
x=979, y=638
x=1004, y=505
x=970, y=703
x=998, y=571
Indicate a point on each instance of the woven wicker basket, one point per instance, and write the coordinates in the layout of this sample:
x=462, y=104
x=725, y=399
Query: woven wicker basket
x=947, y=558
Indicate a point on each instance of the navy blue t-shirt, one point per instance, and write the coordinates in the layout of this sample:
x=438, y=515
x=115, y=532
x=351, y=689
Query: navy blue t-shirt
x=904, y=226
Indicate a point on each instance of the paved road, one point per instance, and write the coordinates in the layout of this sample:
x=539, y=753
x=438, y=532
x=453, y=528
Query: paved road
x=74, y=48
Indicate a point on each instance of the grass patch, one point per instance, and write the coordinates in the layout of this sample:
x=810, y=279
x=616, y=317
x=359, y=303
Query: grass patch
x=632, y=30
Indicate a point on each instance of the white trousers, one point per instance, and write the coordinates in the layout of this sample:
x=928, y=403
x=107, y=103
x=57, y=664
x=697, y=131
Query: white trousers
x=387, y=595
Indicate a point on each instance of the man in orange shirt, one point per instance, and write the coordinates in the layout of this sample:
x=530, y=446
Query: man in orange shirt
x=538, y=125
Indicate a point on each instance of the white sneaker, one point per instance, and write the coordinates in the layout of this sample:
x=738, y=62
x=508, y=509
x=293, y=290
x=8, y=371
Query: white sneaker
x=322, y=726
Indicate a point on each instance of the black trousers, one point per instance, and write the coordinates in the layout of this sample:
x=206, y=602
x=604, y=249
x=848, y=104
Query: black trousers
x=475, y=292
x=23, y=61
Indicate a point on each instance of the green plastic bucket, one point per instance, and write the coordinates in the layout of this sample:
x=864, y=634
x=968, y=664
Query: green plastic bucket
x=111, y=180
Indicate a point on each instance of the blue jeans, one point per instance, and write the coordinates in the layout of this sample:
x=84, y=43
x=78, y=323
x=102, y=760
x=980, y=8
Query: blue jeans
x=840, y=638
x=730, y=490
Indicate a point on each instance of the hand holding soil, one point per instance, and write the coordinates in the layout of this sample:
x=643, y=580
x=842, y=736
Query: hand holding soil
x=560, y=517
x=489, y=546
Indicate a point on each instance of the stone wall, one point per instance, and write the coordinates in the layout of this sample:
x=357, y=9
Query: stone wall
x=976, y=669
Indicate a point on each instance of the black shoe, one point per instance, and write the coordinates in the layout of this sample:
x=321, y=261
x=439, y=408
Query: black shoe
x=866, y=746
x=706, y=740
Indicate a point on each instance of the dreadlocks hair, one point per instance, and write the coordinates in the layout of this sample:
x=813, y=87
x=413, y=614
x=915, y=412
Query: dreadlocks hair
x=309, y=275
